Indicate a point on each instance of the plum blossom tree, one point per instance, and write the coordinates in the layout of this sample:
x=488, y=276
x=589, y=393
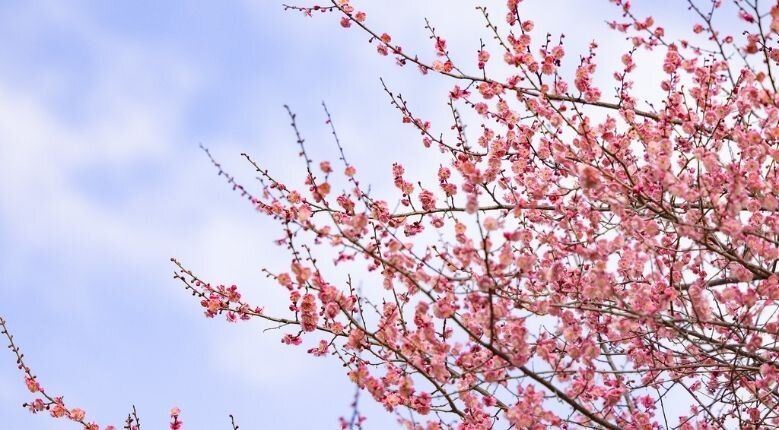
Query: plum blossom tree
x=584, y=260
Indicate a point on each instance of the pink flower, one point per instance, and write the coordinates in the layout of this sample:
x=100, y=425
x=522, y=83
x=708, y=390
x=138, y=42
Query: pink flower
x=589, y=177
x=57, y=410
x=32, y=385
x=427, y=199
x=291, y=340
x=775, y=19
x=746, y=16
x=491, y=224
x=77, y=414
x=309, y=315
x=36, y=406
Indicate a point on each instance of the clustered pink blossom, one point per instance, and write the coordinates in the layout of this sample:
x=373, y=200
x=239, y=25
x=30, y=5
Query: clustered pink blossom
x=579, y=258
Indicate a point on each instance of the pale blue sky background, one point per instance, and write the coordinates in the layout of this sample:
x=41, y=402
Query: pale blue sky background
x=102, y=108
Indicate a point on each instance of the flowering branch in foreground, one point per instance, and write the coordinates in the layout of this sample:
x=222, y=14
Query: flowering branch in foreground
x=55, y=405
x=576, y=262
x=583, y=260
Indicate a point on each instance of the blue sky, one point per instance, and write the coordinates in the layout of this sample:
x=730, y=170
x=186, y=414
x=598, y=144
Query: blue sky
x=102, y=108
